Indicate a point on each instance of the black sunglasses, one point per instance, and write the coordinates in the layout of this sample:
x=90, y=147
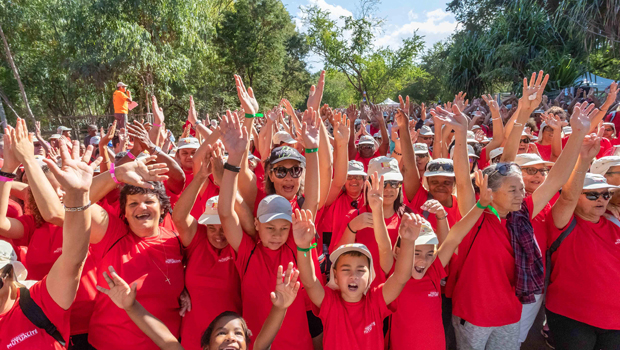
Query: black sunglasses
x=534, y=171
x=424, y=155
x=281, y=171
x=592, y=196
x=392, y=183
x=525, y=140
x=436, y=166
x=356, y=177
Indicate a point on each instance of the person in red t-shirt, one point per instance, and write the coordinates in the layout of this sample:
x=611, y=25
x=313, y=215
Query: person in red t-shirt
x=367, y=148
x=352, y=312
x=226, y=331
x=583, y=310
x=55, y=293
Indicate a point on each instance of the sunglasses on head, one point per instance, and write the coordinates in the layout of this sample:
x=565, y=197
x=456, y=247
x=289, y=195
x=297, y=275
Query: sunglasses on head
x=592, y=196
x=392, y=183
x=534, y=171
x=280, y=172
x=504, y=169
x=525, y=140
x=436, y=166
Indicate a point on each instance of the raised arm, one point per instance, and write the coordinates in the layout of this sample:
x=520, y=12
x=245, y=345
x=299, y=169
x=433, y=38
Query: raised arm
x=498, y=125
x=409, y=231
x=384, y=147
x=352, y=115
x=192, y=117
x=235, y=139
x=247, y=178
x=580, y=121
x=9, y=227
x=375, y=200
x=443, y=227
x=325, y=163
x=556, y=144
x=303, y=232
x=341, y=162
x=611, y=98
x=411, y=178
x=311, y=124
x=103, y=147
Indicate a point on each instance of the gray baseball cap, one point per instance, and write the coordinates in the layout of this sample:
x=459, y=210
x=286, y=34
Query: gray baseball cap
x=274, y=207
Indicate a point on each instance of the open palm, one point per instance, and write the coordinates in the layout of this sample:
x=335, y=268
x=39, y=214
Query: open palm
x=234, y=136
x=287, y=288
x=74, y=174
x=121, y=294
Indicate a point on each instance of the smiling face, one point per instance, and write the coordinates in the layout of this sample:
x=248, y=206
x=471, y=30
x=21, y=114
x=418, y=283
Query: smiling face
x=352, y=274
x=609, y=132
x=547, y=135
x=427, y=139
x=421, y=160
x=215, y=235
x=228, y=334
x=440, y=187
x=288, y=186
x=390, y=194
x=185, y=158
x=354, y=185
x=142, y=212
x=366, y=150
x=532, y=182
x=523, y=145
x=273, y=234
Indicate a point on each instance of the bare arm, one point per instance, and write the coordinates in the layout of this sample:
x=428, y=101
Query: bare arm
x=184, y=222
x=310, y=133
x=375, y=200
x=498, y=125
x=341, y=156
x=303, y=231
x=411, y=178
x=409, y=231
x=611, y=97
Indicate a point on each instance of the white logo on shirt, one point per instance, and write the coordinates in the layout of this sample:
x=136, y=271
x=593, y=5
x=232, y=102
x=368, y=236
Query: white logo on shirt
x=225, y=259
x=20, y=338
x=433, y=294
x=618, y=241
x=368, y=328
x=173, y=261
x=58, y=251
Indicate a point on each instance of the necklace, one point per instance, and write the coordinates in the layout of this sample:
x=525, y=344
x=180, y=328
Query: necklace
x=165, y=259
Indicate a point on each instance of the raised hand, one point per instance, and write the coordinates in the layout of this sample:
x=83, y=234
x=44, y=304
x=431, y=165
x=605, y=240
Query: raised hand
x=158, y=112
x=410, y=226
x=54, y=154
x=217, y=163
x=342, y=129
x=375, y=192
x=288, y=108
x=234, y=136
x=88, y=152
x=401, y=118
x=583, y=113
x=590, y=147
x=310, y=128
x=303, y=228
x=533, y=91
x=140, y=136
x=434, y=207
x=453, y=118
x=352, y=113
x=460, y=102
x=286, y=288
x=423, y=111
x=554, y=121
x=492, y=103
x=11, y=163
x=405, y=105
x=611, y=97
x=22, y=143
x=191, y=115
x=486, y=194
x=138, y=173
x=363, y=220
x=316, y=93
x=246, y=97
x=106, y=138
x=121, y=294
x=74, y=175
x=202, y=167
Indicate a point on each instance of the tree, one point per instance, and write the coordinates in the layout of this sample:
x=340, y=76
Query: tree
x=349, y=49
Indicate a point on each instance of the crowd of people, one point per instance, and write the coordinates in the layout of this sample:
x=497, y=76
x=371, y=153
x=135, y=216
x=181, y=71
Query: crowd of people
x=435, y=226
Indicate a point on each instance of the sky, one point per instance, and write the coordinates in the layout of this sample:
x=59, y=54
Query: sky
x=402, y=18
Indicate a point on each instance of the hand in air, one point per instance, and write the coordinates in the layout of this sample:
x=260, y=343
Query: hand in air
x=287, y=287
x=482, y=181
x=121, y=294
x=410, y=227
x=303, y=228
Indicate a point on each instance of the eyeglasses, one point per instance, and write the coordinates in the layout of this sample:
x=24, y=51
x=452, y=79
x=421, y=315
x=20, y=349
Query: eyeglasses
x=525, y=140
x=592, y=196
x=356, y=177
x=534, y=171
x=436, y=166
x=392, y=183
x=281, y=172
x=609, y=130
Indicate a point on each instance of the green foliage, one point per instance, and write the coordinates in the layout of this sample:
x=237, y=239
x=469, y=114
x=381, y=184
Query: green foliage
x=338, y=91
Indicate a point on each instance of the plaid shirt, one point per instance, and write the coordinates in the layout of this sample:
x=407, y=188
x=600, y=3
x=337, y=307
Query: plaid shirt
x=530, y=273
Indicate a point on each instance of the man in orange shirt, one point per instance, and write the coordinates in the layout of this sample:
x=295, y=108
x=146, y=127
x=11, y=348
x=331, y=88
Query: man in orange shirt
x=121, y=99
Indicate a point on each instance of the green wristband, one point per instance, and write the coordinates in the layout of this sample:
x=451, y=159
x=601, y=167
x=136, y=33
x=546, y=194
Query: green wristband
x=480, y=205
x=257, y=115
x=493, y=210
x=311, y=150
x=305, y=250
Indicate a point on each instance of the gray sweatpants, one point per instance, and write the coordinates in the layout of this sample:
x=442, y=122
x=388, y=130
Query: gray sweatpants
x=470, y=337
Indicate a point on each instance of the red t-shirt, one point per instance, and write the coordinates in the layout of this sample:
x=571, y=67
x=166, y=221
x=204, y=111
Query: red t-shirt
x=544, y=151
x=353, y=326
x=483, y=162
x=605, y=146
x=14, y=210
x=539, y=223
x=365, y=161
x=333, y=219
x=44, y=248
x=421, y=298
x=18, y=333
x=585, y=279
x=212, y=281
x=484, y=294
x=422, y=196
x=147, y=261
x=259, y=171
x=257, y=266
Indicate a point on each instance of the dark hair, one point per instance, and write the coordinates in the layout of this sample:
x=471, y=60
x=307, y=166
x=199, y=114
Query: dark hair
x=206, y=336
x=559, y=111
x=31, y=203
x=353, y=253
x=270, y=187
x=159, y=191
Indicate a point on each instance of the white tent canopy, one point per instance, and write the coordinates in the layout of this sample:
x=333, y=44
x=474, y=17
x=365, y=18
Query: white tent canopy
x=389, y=102
x=593, y=80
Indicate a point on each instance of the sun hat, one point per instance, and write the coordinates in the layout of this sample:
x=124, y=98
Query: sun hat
x=420, y=148
x=471, y=137
x=386, y=167
x=425, y=130
x=366, y=140
x=283, y=136
x=601, y=166
x=470, y=152
x=188, y=142
x=596, y=182
x=377, y=134
x=530, y=159
x=274, y=207
x=353, y=247
x=356, y=168
x=61, y=129
x=281, y=153
x=210, y=215
x=8, y=256
x=439, y=167
x=55, y=136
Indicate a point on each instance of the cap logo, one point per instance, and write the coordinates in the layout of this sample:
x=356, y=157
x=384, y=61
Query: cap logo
x=385, y=165
x=214, y=205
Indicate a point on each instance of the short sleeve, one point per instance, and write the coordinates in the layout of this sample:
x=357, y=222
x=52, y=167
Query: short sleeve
x=437, y=269
x=326, y=305
x=57, y=315
x=116, y=230
x=378, y=301
x=243, y=253
x=198, y=239
x=29, y=227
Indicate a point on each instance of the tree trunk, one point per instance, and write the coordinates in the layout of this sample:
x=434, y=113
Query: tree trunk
x=2, y=116
x=8, y=103
x=9, y=57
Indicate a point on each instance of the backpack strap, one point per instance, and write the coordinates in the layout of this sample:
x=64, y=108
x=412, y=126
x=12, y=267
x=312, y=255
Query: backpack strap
x=554, y=247
x=612, y=219
x=33, y=312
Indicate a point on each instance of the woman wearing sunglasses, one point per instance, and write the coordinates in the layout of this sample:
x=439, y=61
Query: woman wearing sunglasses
x=582, y=305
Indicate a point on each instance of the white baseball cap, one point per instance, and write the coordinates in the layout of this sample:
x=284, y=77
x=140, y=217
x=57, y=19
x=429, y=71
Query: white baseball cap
x=439, y=167
x=530, y=159
x=188, y=142
x=283, y=136
x=8, y=256
x=596, y=182
x=471, y=137
x=61, y=128
x=526, y=134
x=425, y=130
x=601, y=166
x=611, y=124
x=427, y=235
x=377, y=134
x=420, y=148
x=55, y=136
x=274, y=207
x=366, y=140
x=95, y=140
x=353, y=247
x=496, y=152
x=210, y=215
x=386, y=167
x=356, y=168
x=120, y=83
